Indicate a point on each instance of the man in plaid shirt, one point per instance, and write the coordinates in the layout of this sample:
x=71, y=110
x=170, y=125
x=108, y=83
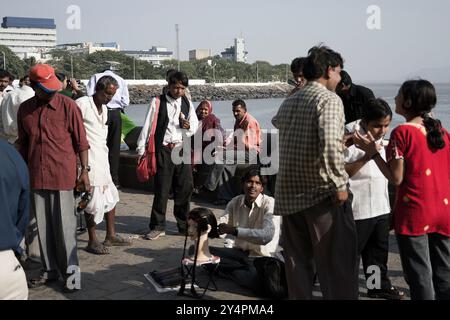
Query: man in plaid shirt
x=311, y=191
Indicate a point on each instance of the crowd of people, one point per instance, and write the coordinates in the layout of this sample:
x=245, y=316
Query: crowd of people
x=331, y=204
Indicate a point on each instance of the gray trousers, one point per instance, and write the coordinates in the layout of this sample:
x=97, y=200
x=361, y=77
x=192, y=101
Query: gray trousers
x=323, y=236
x=57, y=223
x=426, y=264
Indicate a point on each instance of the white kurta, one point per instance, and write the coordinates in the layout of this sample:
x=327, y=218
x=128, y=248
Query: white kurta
x=105, y=195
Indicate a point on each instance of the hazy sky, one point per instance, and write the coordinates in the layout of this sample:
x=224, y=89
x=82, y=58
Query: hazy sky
x=413, y=40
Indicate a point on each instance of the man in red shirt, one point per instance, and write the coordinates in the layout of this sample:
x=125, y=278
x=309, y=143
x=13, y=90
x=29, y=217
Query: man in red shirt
x=51, y=134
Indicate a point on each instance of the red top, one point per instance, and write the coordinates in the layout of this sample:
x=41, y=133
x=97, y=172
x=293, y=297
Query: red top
x=50, y=136
x=422, y=202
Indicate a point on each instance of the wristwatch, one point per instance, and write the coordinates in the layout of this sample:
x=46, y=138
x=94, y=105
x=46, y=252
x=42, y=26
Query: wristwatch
x=86, y=168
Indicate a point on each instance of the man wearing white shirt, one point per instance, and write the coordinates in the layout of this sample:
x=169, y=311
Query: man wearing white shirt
x=248, y=220
x=120, y=100
x=176, y=122
x=9, y=108
x=104, y=193
x=5, y=87
x=370, y=203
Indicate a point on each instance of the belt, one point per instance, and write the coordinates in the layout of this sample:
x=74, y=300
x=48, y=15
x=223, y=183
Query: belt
x=170, y=146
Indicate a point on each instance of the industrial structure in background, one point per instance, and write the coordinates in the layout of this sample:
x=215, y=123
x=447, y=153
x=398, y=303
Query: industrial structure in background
x=156, y=55
x=237, y=52
x=36, y=37
x=29, y=37
x=88, y=47
x=199, y=54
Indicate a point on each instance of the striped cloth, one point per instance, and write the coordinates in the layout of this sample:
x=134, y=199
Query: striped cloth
x=311, y=129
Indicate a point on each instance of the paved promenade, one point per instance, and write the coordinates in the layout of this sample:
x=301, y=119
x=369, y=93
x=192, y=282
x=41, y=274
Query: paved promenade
x=120, y=275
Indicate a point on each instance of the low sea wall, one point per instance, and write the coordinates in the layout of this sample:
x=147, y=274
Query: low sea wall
x=141, y=94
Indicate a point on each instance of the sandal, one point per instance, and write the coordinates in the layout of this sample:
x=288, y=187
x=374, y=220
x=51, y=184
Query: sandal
x=117, y=241
x=97, y=248
x=38, y=282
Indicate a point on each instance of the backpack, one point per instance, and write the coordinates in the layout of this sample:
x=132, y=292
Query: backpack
x=272, y=276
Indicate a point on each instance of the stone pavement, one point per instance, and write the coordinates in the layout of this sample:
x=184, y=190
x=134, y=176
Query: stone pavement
x=120, y=275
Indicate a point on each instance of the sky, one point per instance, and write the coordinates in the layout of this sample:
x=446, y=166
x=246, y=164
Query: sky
x=407, y=39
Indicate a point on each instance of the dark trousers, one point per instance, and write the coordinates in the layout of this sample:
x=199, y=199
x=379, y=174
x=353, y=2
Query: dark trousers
x=373, y=245
x=168, y=175
x=113, y=142
x=426, y=264
x=238, y=266
x=325, y=236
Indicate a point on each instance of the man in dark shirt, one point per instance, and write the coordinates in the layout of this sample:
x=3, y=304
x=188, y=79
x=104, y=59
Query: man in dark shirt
x=51, y=134
x=15, y=201
x=354, y=97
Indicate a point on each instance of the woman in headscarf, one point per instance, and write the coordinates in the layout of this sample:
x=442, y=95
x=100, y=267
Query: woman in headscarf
x=209, y=131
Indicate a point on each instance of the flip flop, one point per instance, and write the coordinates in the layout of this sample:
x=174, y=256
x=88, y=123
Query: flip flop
x=117, y=241
x=97, y=248
x=38, y=282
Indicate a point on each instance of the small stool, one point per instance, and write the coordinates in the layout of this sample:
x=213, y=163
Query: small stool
x=209, y=266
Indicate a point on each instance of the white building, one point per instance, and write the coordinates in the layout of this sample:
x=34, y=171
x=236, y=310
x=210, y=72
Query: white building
x=89, y=47
x=156, y=55
x=28, y=37
x=199, y=54
x=237, y=52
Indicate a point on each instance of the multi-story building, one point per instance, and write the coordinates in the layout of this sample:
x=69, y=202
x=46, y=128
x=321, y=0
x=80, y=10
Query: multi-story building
x=89, y=47
x=28, y=37
x=239, y=47
x=236, y=52
x=199, y=54
x=155, y=55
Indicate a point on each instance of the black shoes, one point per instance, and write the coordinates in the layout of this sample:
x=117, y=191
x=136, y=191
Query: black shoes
x=389, y=294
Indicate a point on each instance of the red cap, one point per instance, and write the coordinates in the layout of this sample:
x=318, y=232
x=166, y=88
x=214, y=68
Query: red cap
x=44, y=76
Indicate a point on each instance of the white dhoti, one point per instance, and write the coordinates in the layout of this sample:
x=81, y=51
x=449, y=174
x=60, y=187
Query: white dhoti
x=103, y=200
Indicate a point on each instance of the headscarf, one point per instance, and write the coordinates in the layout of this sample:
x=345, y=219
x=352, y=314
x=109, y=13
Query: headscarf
x=210, y=121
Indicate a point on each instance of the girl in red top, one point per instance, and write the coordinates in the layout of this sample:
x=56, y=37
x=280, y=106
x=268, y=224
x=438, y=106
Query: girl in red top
x=418, y=163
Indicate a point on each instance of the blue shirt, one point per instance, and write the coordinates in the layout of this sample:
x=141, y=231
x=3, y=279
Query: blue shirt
x=14, y=198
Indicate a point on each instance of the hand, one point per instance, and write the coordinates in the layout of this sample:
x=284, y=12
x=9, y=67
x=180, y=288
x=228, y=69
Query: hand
x=340, y=197
x=224, y=228
x=139, y=158
x=348, y=140
x=185, y=124
x=74, y=84
x=84, y=179
x=367, y=143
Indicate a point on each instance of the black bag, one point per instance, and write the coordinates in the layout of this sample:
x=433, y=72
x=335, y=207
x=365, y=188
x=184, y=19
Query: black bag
x=272, y=276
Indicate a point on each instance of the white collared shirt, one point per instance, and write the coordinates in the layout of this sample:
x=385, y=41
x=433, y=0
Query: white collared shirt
x=258, y=229
x=369, y=186
x=173, y=134
x=9, y=108
x=96, y=133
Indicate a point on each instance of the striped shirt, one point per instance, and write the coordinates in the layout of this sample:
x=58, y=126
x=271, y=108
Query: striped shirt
x=311, y=129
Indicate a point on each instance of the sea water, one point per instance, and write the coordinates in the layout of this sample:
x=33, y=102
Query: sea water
x=265, y=109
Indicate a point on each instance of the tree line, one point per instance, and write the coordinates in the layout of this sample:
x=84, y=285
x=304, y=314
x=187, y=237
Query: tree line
x=83, y=66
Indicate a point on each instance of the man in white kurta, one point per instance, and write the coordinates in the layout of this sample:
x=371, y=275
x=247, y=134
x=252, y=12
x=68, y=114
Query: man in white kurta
x=104, y=194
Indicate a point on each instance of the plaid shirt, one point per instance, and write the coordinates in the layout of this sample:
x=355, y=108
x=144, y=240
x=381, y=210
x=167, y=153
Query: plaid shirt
x=311, y=128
